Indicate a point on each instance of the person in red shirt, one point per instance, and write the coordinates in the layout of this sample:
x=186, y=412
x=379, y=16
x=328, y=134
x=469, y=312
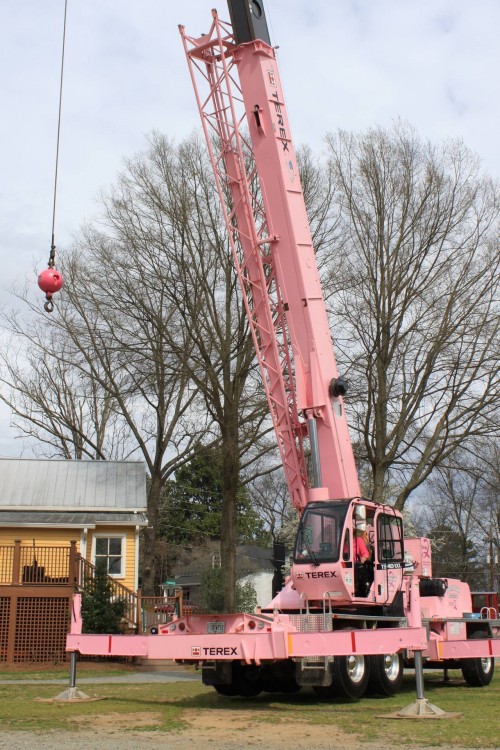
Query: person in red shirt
x=363, y=576
x=361, y=551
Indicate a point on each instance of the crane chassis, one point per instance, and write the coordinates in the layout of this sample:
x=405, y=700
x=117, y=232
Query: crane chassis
x=339, y=625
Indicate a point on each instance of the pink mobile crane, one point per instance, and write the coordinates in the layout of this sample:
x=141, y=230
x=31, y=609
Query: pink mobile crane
x=342, y=623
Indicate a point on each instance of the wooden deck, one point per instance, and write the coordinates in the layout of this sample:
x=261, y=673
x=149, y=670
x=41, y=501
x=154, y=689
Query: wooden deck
x=37, y=584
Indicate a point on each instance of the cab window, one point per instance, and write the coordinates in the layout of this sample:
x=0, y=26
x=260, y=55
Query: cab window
x=389, y=539
x=320, y=533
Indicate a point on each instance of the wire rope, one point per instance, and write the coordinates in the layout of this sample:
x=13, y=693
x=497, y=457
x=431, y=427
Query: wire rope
x=58, y=140
x=51, y=280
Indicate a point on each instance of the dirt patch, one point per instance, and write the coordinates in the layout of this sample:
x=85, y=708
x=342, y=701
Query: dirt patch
x=247, y=727
x=223, y=728
x=114, y=721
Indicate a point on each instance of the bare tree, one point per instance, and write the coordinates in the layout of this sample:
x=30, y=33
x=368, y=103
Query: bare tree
x=66, y=413
x=459, y=509
x=319, y=197
x=451, y=506
x=271, y=499
x=413, y=290
x=167, y=203
x=484, y=458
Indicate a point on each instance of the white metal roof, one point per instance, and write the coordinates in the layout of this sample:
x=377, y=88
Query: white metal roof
x=72, y=485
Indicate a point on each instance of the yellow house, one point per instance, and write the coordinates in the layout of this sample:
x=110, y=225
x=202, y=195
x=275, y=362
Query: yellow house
x=100, y=505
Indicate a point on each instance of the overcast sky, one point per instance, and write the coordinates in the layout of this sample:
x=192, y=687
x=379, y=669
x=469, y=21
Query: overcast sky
x=344, y=63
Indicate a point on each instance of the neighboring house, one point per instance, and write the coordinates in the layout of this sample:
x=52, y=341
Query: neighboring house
x=99, y=504
x=257, y=569
x=254, y=565
x=57, y=520
x=262, y=583
x=190, y=585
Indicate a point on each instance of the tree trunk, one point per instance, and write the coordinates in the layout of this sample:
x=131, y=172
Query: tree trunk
x=230, y=479
x=148, y=547
x=378, y=483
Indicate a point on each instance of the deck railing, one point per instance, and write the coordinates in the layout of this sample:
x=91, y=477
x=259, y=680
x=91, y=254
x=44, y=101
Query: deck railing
x=158, y=610
x=87, y=572
x=35, y=566
x=32, y=565
x=7, y=565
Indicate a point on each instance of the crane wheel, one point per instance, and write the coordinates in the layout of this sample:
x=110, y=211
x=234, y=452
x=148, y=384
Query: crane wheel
x=386, y=674
x=245, y=682
x=227, y=690
x=279, y=678
x=350, y=676
x=326, y=692
x=478, y=672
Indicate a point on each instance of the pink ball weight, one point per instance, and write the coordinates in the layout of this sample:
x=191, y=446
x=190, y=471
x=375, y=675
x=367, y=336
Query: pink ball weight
x=50, y=281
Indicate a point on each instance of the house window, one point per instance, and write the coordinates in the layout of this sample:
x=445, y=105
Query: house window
x=110, y=550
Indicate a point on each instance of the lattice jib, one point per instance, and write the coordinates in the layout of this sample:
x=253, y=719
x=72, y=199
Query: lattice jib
x=250, y=235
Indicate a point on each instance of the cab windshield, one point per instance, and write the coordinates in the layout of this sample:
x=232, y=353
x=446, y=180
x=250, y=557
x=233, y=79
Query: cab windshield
x=320, y=532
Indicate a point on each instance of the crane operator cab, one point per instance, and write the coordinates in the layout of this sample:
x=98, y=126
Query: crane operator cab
x=349, y=551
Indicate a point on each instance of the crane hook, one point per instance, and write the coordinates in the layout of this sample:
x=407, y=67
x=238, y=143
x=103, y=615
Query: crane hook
x=49, y=305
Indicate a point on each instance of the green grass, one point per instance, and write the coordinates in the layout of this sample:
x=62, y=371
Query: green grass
x=166, y=704
x=61, y=671
x=22, y=706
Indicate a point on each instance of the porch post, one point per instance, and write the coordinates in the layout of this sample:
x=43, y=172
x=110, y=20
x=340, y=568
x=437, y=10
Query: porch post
x=11, y=635
x=72, y=566
x=16, y=562
x=139, y=611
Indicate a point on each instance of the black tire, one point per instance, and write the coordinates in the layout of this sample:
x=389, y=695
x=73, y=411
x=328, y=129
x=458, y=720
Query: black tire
x=350, y=676
x=478, y=672
x=279, y=677
x=326, y=692
x=386, y=674
x=246, y=680
x=349, y=679
x=227, y=690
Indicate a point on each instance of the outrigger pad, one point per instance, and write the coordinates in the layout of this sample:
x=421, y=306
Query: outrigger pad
x=71, y=695
x=421, y=709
